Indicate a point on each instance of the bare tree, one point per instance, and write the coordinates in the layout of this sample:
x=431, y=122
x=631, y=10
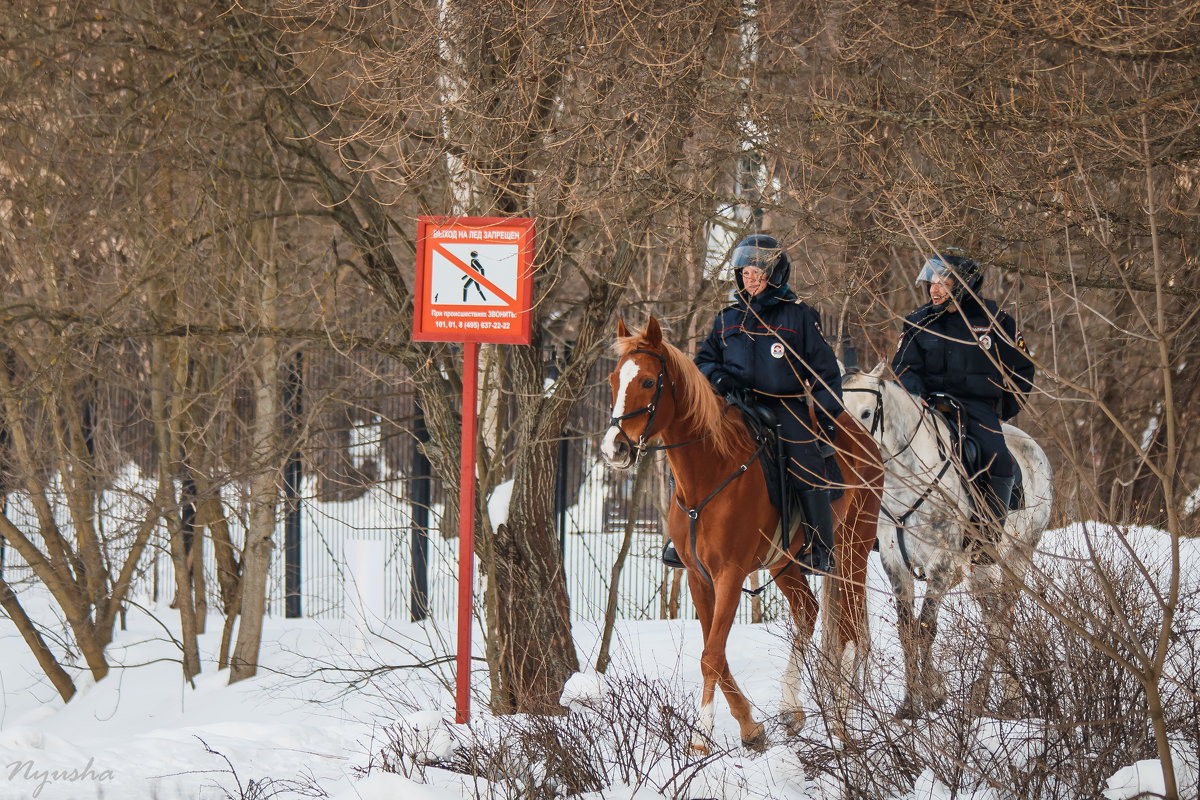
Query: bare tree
x=192, y=193
x=578, y=118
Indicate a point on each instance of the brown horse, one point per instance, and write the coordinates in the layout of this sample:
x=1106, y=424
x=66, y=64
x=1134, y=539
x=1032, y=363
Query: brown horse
x=659, y=394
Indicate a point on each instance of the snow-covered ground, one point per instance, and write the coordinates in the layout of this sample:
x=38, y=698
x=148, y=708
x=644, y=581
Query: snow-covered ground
x=329, y=697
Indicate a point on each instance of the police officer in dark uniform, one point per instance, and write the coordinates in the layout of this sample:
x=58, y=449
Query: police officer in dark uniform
x=964, y=346
x=768, y=344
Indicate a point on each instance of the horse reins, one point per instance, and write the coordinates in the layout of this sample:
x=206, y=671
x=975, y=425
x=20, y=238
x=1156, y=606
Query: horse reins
x=947, y=462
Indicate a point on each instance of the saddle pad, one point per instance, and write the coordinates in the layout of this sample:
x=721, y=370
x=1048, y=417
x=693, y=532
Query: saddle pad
x=766, y=436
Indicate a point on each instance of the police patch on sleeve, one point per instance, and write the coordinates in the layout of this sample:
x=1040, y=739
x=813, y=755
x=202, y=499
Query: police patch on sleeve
x=1021, y=343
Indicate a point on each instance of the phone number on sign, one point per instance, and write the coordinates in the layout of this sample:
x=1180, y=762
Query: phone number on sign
x=473, y=324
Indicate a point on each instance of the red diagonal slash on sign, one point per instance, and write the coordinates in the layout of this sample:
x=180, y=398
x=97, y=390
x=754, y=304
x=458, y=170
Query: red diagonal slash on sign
x=437, y=246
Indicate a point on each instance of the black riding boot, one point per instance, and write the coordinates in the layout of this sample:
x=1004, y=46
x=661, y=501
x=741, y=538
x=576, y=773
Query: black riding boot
x=670, y=556
x=988, y=524
x=818, y=519
x=997, y=495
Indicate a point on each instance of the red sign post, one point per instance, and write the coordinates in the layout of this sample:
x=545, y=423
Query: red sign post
x=474, y=284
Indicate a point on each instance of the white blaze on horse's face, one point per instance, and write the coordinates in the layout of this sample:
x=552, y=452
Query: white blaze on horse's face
x=615, y=447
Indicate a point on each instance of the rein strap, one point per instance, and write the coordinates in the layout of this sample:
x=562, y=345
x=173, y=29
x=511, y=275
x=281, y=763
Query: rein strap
x=694, y=513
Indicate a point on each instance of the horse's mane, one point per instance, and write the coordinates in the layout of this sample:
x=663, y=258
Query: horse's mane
x=890, y=385
x=694, y=397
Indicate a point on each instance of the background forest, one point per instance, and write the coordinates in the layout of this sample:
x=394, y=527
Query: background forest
x=195, y=194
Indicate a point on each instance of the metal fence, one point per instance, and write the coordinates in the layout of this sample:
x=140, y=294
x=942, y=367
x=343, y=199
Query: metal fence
x=359, y=495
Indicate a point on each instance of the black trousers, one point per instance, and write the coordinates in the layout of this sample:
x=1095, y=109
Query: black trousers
x=805, y=465
x=983, y=425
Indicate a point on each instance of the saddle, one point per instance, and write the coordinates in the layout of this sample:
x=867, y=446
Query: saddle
x=763, y=423
x=969, y=451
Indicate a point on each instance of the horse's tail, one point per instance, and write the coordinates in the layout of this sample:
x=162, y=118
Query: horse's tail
x=831, y=617
x=843, y=613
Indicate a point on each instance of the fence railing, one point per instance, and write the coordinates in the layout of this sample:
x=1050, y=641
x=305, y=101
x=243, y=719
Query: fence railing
x=356, y=515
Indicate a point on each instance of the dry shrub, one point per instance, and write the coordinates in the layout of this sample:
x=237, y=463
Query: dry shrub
x=637, y=736
x=1079, y=715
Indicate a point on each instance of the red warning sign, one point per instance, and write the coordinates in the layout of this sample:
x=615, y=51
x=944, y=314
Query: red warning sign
x=474, y=279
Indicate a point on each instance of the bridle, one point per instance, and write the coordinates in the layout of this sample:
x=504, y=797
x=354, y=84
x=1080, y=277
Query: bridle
x=643, y=446
x=649, y=409
x=877, y=422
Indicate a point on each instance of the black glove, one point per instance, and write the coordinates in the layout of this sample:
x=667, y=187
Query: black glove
x=825, y=447
x=827, y=423
x=724, y=383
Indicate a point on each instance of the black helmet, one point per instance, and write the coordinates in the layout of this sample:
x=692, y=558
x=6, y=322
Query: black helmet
x=953, y=262
x=764, y=252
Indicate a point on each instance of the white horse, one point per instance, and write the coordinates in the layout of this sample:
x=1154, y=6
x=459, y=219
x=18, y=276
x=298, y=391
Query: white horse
x=925, y=529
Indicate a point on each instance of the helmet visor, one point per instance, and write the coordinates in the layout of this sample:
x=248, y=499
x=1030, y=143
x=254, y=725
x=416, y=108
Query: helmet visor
x=763, y=258
x=934, y=271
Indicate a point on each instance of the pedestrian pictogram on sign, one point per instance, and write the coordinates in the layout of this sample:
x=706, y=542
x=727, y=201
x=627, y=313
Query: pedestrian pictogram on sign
x=474, y=279
x=470, y=278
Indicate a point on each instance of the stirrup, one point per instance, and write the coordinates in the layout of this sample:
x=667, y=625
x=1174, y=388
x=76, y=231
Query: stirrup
x=670, y=556
x=817, y=564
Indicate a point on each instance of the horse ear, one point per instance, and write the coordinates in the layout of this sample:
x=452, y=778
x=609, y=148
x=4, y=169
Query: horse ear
x=877, y=372
x=622, y=331
x=653, y=333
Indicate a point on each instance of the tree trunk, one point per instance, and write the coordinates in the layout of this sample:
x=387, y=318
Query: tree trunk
x=183, y=581
x=267, y=479
x=168, y=373
x=58, y=676
x=614, y=579
x=533, y=631
x=209, y=515
x=264, y=491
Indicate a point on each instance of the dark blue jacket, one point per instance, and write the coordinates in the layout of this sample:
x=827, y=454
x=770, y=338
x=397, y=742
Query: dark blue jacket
x=962, y=354
x=772, y=343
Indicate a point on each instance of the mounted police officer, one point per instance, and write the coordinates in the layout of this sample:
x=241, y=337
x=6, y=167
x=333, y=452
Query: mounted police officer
x=962, y=345
x=768, y=347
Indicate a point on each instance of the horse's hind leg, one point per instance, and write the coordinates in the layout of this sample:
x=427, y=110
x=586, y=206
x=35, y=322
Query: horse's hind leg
x=803, y=606
x=847, y=640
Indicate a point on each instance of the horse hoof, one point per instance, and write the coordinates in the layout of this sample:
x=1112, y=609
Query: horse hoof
x=756, y=741
x=793, y=721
